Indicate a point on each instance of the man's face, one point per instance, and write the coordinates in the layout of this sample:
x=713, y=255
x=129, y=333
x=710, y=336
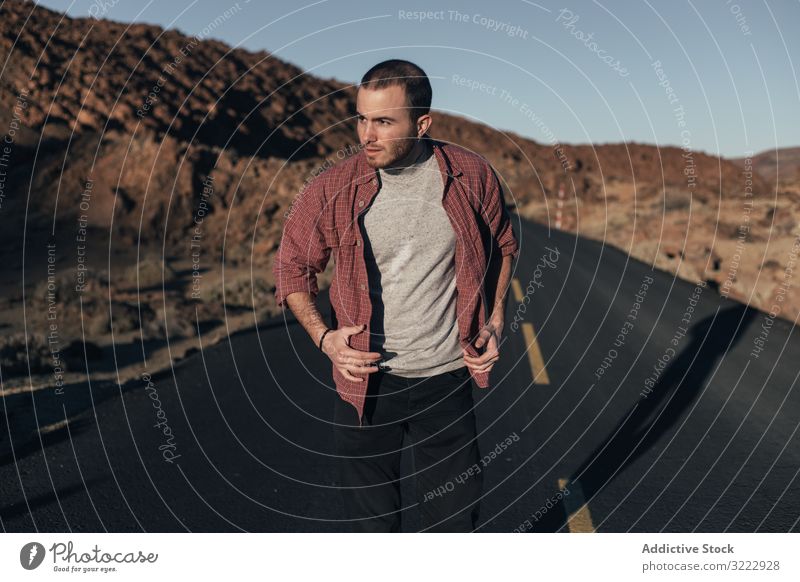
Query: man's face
x=385, y=128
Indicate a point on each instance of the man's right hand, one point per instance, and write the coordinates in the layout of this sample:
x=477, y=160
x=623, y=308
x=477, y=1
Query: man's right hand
x=349, y=361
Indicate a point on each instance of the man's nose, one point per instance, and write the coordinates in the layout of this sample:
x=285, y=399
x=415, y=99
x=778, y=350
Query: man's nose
x=369, y=133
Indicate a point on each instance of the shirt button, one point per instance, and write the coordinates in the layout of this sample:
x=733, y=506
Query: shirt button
x=373, y=181
x=363, y=287
x=361, y=203
x=358, y=243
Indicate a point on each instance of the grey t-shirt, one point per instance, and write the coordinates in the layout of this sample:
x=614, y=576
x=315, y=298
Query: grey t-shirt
x=410, y=257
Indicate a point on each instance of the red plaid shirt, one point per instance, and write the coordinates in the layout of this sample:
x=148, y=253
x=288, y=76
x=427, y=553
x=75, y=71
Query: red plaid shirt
x=324, y=219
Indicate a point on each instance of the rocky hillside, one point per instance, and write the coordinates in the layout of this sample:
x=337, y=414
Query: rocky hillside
x=131, y=144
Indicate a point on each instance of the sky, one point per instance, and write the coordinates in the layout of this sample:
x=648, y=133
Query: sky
x=715, y=76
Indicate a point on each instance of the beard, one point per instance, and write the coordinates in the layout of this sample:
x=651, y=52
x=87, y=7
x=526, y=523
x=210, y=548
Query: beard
x=394, y=151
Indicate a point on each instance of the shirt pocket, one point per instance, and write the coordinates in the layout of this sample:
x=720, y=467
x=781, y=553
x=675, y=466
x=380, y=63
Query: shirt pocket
x=335, y=239
x=345, y=253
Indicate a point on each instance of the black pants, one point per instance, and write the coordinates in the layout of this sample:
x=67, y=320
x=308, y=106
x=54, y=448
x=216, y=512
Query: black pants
x=437, y=412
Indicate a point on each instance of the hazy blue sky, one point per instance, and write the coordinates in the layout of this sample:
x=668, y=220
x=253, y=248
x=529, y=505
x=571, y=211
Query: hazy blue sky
x=732, y=66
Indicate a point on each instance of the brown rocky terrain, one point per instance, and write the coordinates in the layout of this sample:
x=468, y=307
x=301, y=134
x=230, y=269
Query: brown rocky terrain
x=779, y=166
x=148, y=174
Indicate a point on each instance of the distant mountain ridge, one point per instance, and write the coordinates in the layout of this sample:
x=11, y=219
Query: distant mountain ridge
x=107, y=104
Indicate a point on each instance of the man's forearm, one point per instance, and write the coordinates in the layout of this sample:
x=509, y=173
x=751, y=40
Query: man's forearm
x=305, y=310
x=500, y=278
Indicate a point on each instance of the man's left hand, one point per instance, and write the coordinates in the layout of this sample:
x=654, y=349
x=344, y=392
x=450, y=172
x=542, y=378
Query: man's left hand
x=490, y=337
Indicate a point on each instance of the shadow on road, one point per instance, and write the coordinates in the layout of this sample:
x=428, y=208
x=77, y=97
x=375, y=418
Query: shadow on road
x=34, y=502
x=653, y=414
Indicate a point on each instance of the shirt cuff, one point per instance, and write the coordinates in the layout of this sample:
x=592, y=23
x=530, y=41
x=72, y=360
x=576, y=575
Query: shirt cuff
x=289, y=285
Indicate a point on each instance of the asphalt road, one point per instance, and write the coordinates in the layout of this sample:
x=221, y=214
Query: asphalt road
x=640, y=426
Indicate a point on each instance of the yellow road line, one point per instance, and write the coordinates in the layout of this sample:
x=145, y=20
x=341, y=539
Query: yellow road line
x=54, y=427
x=517, y=289
x=579, y=520
x=534, y=351
x=535, y=355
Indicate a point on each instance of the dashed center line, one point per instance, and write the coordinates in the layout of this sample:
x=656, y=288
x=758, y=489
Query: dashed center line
x=579, y=520
x=535, y=358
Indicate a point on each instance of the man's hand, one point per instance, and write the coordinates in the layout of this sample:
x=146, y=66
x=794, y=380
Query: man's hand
x=490, y=337
x=349, y=361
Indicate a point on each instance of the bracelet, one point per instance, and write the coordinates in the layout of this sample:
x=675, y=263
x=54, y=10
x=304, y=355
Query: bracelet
x=323, y=337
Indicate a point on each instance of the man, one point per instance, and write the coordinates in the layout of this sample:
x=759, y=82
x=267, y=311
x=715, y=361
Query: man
x=423, y=247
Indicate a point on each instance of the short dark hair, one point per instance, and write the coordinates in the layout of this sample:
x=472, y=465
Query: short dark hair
x=407, y=75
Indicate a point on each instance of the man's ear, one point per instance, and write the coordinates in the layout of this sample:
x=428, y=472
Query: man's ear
x=424, y=123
